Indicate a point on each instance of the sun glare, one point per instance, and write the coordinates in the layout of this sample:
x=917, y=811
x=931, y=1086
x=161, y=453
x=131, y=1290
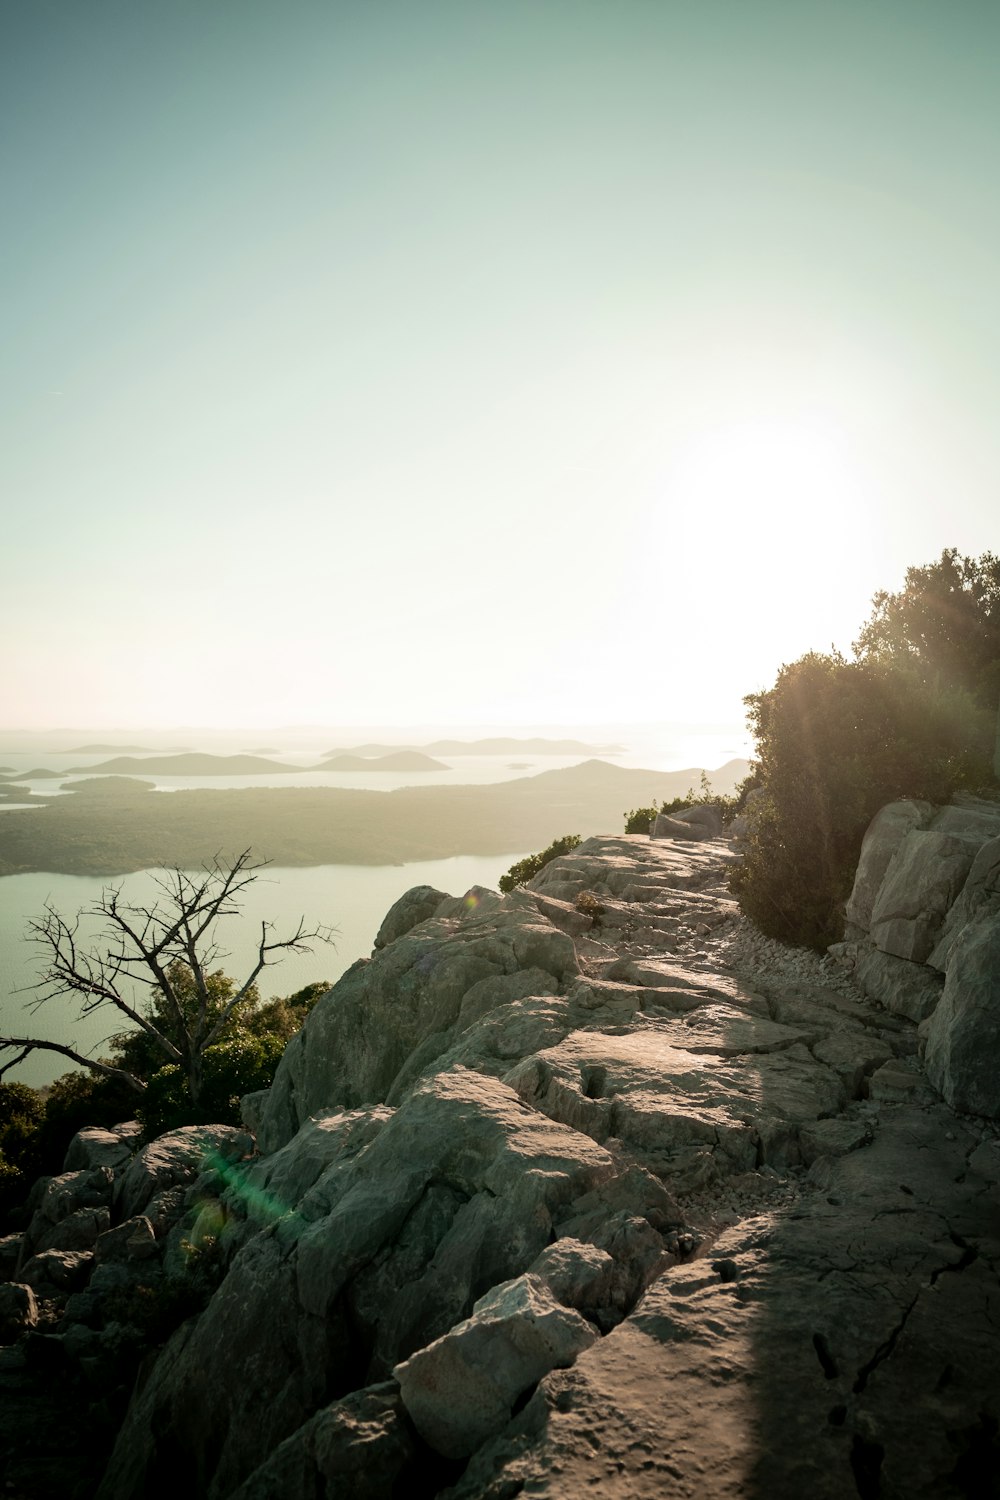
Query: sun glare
x=781, y=478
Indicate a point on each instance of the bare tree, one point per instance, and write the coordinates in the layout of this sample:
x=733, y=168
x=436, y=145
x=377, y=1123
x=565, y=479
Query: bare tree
x=154, y=966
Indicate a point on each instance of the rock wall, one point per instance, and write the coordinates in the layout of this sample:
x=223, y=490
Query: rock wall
x=923, y=937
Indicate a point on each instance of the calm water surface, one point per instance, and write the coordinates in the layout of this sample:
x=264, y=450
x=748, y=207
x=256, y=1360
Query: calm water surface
x=351, y=898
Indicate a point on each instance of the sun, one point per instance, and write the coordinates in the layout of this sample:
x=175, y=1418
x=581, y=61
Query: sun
x=779, y=481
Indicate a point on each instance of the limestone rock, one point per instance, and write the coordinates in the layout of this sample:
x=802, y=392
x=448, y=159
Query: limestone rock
x=358, y=1448
x=868, y=1318
x=132, y=1240
x=97, y=1147
x=457, y=1191
x=77, y=1231
x=674, y=826
x=459, y=1390
x=57, y=1270
x=562, y=914
x=925, y=875
x=834, y=1137
x=853, y=1058
x=63, y=1195
x=896, y=1082
x=980, y=897
x=413, y=907
x=686, y=1100
x=177, y=1158
x=963, y=1040
x=885, y=833
x=577, y=1274
x=11, y=1246
x=18, y=1310
x=903, y=987
x=394, y=1016
x=277, y=1183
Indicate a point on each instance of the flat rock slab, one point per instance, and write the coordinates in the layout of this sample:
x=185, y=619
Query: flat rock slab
x=666, y=1088
x=833, y=1352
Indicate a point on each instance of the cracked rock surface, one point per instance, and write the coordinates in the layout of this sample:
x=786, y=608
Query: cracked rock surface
x=592, y=1188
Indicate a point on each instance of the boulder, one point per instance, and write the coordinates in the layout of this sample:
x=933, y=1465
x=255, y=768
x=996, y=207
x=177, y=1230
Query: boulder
x=387, y=1022
x=413, y=907
x=577, y=1274
x=886, y=831
x=979, y=897
x=673, y=826
x=357, y=1449
x=57, y=1270
x=18, y=1310
x=963, y=1039
x=457, y=1191
x=177, y=1158
x=853, y=1056
x=132, y=1240
x=924, y=876
x=77, y=1231
x=11, y=1246
x=460, y=1390
x=65, y=1194
x=97, y=1147
x=903, y=987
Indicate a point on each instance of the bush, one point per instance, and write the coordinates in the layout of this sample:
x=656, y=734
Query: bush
x=525, y=869
x=836, y=740
x=237, y=1066
x=640, y=819
x=21, y=1110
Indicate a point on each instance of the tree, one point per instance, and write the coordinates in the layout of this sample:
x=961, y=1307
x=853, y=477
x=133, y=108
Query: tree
x=154, y=966
x=837, y=740
x=944, y=623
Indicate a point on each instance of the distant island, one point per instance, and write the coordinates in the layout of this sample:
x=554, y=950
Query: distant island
x=485, y=747
x=397, y=760
x=109, y=750
x=92, y=833
x=193, y=763
x=40, y=773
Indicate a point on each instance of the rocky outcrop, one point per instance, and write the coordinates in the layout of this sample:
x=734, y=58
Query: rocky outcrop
x=519, y=1184
x=589, y=1186
x=923, y=927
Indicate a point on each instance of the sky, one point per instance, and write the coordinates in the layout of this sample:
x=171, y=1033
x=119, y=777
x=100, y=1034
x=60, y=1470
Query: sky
x=496, y=361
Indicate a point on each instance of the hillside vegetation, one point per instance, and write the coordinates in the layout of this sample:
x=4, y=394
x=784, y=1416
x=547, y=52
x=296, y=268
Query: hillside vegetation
x=912, y=714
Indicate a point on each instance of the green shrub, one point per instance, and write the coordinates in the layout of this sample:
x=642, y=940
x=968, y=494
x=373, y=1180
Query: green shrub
x=837, y=740
x=640, y=819
x=240, y=1065
x=525, y=869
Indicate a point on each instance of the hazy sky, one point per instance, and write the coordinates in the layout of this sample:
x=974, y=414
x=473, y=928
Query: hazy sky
x=482, y=362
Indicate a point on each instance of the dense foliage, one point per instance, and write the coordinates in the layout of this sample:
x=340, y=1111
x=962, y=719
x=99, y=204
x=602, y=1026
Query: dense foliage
x=36, y=1126
x=243, y=1060
x=944, y=624
x=836, y=740
x=525, y=869
x=641, y=819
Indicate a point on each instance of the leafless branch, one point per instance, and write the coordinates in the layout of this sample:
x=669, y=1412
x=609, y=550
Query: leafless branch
x=33, y=1044
x=144, y=951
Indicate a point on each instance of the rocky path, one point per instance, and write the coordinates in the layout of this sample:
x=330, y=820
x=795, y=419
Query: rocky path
x=590, y=1188
x=837, y=1330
